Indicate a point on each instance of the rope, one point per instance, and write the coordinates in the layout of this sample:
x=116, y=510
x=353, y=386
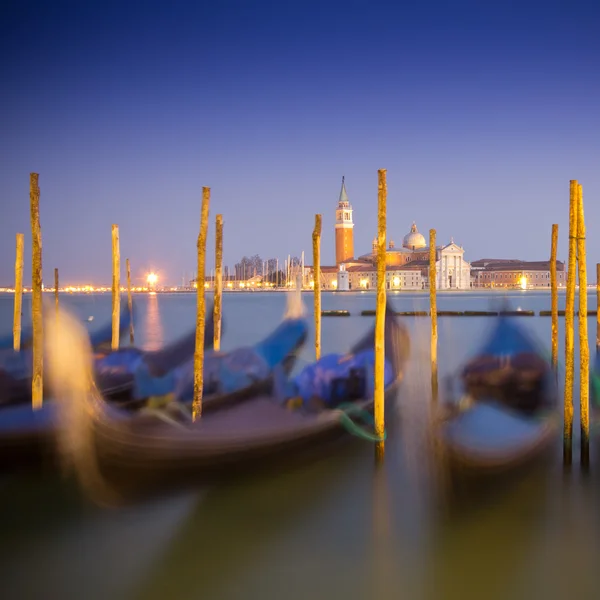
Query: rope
x=353, y=428
x=162, y=415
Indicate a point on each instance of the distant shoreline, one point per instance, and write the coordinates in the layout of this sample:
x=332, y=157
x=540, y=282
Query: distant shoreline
x=591, y=288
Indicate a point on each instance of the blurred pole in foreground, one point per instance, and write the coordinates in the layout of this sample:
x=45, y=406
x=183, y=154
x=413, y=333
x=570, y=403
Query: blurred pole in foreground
x=218, y=284
x=316, y=240
x=554, y=298
x=129, y=300
x=18, y=307
x=200, y=307
x=379, y=396
x=569, y=333
x=433, y=310
x=116, y=288
x=37, y=375
x=584, y=348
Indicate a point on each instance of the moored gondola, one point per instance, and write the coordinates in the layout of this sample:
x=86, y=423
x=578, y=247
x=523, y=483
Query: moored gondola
x=507, y=415
x=319, y=404
x=25, y=434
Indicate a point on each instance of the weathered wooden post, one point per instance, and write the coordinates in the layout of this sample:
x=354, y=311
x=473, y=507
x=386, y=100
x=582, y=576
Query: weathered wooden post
x=37, y=376
x=129, y=300
x=569, y=332
x=200, y=307
x=433, y=311
x=218, y=283
x=379, y=396
x=597, y=308
x=584, y=349
x=18, y=307
x=116, y=288
x=316, y=240
x=554, y=298
x=56, y=291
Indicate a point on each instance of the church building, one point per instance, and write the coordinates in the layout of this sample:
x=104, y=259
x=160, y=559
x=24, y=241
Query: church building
x=407, y=267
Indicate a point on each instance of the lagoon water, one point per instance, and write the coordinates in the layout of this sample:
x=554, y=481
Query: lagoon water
x=329, y=528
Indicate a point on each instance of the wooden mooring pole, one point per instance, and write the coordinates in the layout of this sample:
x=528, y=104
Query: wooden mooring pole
x=18, y=306
x=554, y=298
x=597, y=308
x=129, y=300
x=200, y=307
x=37, y=378
x=116, y=288
x=316, y=240
x=569, y=327
x=584, y=348
x=379, y=396
x=433, y=311
x=218, y=283
x=56, y=291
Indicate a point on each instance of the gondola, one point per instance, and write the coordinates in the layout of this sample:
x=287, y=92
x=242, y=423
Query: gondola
x=116, y=371
x=507, y=416
x=229, y=377
x=135, y=379
x=166, y=447
x=15, y=366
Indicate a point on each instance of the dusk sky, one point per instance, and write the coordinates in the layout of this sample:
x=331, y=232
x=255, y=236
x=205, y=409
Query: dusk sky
x=481, y=112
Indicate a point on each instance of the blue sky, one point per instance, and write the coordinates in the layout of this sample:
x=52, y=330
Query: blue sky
x=481, y=112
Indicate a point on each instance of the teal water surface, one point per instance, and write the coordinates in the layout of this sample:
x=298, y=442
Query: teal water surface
x=329, y=528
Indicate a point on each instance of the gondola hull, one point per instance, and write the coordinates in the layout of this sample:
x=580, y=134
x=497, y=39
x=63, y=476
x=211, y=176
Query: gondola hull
x=511, y=419
x=143, y=451
x=26, y=434
x=490, y=438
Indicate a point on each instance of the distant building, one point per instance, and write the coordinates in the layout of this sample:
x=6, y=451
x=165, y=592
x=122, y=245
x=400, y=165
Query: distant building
x=509, y=273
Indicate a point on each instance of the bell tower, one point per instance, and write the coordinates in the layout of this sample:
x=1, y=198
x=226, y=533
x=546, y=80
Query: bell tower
x=344, y=228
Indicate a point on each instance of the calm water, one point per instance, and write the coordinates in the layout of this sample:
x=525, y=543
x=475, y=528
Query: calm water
x=331, y=528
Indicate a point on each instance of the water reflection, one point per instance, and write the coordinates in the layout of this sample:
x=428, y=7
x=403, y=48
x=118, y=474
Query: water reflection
x=153, y=324
x=382, y=557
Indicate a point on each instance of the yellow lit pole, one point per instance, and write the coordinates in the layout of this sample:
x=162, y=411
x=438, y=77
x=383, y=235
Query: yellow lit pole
x=584, y=349
x=554, y=297
x=200, y=307
x=218, y=289
x=316, y=240
x=18, y=307
x=569, y=330
x=37, y=379
x=379, y=395
x=129, y=300
x=433, y=310
x=116, y=287
x=56, y=290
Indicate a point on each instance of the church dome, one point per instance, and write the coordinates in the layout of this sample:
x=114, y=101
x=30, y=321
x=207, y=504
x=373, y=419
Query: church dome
x=414, y=239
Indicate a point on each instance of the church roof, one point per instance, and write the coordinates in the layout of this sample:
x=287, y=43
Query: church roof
x=414, y=239
x=343, y=193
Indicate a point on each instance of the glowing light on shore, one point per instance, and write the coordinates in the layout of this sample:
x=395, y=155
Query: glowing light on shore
x=523, y=283
x=152, y=278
